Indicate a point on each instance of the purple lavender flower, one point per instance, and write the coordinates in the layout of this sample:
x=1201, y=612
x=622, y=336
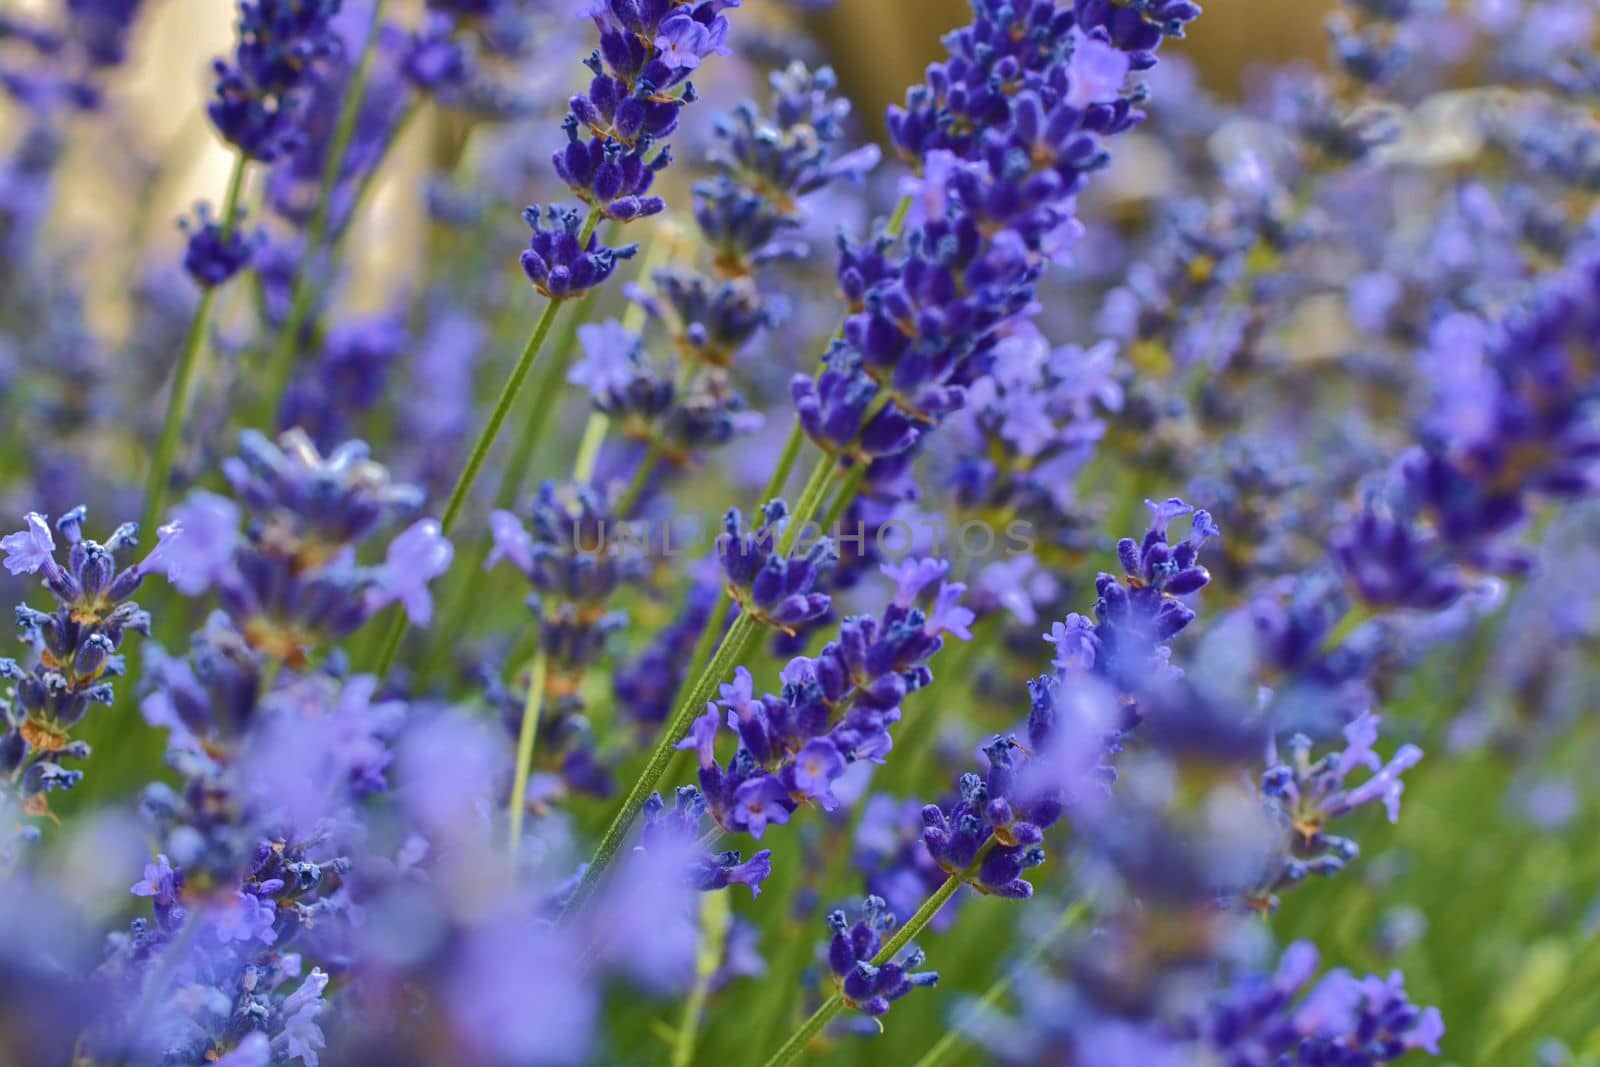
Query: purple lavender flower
x=216, y=251
x=704, y=871
x=610, y=358
x=74, y=650
x=834, y=710
x=159, y=881
x=250, y=918
x=1307, y=795
x=258, y=95
x=196, y=548
x=1097, y=70
x=558, y=262
x=415, y=558
x=30, y=548
x=866, y=987
x=778, y=591
x=1280, y=1019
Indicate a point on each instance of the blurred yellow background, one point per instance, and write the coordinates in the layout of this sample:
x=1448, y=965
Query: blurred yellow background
x=880, y=46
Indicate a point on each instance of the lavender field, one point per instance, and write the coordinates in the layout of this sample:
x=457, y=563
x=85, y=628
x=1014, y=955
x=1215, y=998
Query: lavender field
x=540, y=534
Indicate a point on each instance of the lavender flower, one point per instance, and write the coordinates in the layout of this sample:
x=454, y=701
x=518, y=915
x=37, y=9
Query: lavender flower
x=75, y=649
x=866, y=987
x=216, y=252
x=776, y=590
x=259, y=94
x=835, y=709
x=560, y=262
x=1307, y=795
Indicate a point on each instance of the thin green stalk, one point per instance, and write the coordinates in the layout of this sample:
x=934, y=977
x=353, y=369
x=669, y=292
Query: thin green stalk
x=785, y=466
x=811, y=497
x=188, y=363
x=526, y=738
x=641, y=477
x=594, y=435
x=497, y=417
x=955, y=1037
x=735, y=647
x=480, y=450
x=1354, y=617
x=897, y=220
x=847, y=492
x=280, y=364
x=546, y=388
x=796, y=1045
x=716, y=914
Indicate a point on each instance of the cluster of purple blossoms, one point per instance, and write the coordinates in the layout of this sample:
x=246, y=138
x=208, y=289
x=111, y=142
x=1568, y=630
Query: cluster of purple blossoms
x=252, y=856
x=1277, y=1021
x=1516, y=424
x=836, y=708
x=273, y=750
x=562, y=260
x=1133, y=617
x=75, y=652
x=640, y=85
x=780, y=591
x=216, y=250
x=288, y=581
x=680, y=826
x=767, y=165
x=1003, y=137
x=577, y=557
x=1307, y=795
x=259, y=93
x=868, y=987
x=993, y=831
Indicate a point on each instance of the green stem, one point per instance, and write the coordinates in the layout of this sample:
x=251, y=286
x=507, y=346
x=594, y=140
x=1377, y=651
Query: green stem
x=796, y=1045
x=525, y=742
x=280, y=364
x=735, y=647
x=546, y=388
x=1354, y=617
x=716, y=914
x=480, y=451
x=188, y=363
x=841, y=501
x=508, y=396
x=897, y=220
x=594, y=435
x=786, y=460
x=641, y=477
x=497, y=417
x=811, y=497
x=955, y=1037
